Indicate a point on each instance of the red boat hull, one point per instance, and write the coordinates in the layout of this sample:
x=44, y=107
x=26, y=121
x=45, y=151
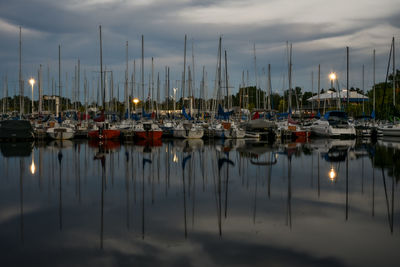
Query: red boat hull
x=148, y=135
x=302, y=133
x=105, y=135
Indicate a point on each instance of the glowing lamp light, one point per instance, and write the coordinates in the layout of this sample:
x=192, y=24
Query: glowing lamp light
x=332, y=174
x=332, y=76
x=31, y=81
x=135, y=101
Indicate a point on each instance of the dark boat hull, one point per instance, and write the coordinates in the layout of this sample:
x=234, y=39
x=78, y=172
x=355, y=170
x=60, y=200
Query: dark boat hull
x=11, y=130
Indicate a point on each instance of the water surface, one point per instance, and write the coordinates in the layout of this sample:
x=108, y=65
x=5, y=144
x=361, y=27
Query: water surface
x=198, y=203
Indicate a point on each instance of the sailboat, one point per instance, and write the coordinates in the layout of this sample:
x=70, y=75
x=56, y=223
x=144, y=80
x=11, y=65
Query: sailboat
x=13, y=130
x=147, y=130
x=333, y=124
x=61, y=131
x=225, y=128
x=102, y=129
x=291, y=126
x=392, y=129
x=188, y=130
x=66, y=129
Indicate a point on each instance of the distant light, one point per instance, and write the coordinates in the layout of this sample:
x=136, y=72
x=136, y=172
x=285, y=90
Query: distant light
x=332, y=76
x=31, y=81
x=135, y=100
x=33, y=167
x=332, y=174
x=175, y=159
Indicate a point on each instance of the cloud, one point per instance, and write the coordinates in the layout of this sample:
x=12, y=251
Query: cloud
x=319, y=31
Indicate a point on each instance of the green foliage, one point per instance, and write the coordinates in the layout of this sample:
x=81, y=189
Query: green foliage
x=306, y=96
x=282, y=105
x=384, y=108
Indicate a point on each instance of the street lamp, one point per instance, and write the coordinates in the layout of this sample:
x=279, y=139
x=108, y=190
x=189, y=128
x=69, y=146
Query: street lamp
x=135, y=101
x=175, y=89
x=332, y=77
x=32, y=82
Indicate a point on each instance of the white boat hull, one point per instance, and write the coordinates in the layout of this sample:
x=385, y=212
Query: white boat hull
x=188, y=134
x=390, y=131
x=60, y=133
x=330, y=131
x=230, y=133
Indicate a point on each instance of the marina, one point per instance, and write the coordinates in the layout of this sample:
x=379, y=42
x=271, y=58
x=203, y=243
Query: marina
x=199, y=133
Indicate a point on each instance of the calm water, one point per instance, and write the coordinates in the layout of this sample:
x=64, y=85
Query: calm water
x=194, y=203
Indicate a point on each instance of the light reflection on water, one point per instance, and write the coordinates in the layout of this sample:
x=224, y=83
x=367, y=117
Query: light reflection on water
x=194, y=202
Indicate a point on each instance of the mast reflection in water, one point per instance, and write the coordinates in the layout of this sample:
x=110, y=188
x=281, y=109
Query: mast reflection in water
x=195, y=202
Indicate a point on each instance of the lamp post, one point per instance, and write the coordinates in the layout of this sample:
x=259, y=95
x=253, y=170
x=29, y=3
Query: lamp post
x=32, y=82
x=175, y=89
x=135, y=101
x=332, y=77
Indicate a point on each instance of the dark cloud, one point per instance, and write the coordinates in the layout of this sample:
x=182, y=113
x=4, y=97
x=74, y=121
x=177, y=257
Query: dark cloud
x=74, y=25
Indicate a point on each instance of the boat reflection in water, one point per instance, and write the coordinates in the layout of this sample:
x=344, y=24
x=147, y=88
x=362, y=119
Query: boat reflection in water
x=155, y=202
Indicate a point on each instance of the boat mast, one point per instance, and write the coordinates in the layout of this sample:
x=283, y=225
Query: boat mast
x=347, y=77
x=158, y=93
x=101, y=73
x=226, y=82
x=149, y=94
x=59, y=102
x=241, y=99
x=319, y=85
x=373, y=77
x=134, y=82
x=289, y=75
x=219, y=68
x=166, y=91
x=255, y=73
x=394, y=76
x=264, y=99
x=142, y=81
x=193, y=87
x=202, y=97
x=184, y=74
x=79, y=84
x=152, y=84
x=21, y=88
x=40, y=89
x=86, y=88
x=363, y=88
x=190, y=89
x=73, y=88
x=5, y=89
x=126, y=82
x=269, y=87
x=312, y=91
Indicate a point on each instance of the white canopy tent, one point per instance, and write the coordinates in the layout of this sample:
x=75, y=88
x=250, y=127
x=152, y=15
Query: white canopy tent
x=331, y=95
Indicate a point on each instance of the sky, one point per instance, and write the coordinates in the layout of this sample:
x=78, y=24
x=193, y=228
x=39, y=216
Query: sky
x=319, y=31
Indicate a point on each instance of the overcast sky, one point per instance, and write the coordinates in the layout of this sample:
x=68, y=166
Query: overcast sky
x=319, y=30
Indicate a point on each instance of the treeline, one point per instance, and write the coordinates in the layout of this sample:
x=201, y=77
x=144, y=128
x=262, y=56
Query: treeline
x=247, y=97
